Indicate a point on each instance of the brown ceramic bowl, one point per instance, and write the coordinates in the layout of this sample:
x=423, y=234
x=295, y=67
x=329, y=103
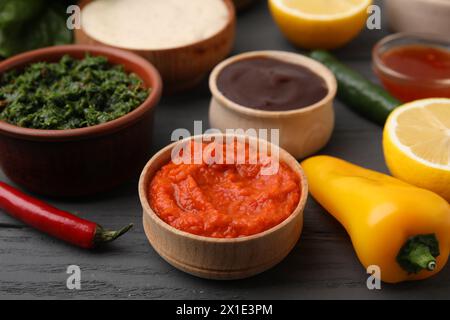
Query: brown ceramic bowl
x=183, y=67
x=87, y=160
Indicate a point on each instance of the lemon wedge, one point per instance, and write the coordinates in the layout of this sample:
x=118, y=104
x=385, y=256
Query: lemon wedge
x=416, y=144
x=320, y=24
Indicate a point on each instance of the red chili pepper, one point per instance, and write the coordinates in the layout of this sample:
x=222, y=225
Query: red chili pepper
x=60, y=224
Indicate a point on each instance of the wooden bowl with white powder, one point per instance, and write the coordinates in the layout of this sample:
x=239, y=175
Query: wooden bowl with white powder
x=183, y=40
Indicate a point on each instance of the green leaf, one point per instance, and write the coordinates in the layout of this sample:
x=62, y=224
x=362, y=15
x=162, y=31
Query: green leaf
x=31, y=24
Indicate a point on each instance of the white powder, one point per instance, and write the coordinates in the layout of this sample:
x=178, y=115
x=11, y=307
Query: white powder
x=153, y=24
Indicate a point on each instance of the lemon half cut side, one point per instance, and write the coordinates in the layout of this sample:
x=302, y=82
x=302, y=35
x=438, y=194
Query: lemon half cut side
x=416, y=144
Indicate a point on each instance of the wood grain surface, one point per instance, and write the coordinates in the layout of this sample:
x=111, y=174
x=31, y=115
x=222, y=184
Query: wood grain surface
x=323, y=265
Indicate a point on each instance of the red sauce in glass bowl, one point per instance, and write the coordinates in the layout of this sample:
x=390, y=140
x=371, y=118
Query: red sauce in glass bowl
x=224, y=200
x=412, y=72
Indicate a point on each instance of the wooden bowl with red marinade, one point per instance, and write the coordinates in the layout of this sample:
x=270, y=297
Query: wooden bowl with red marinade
x=219, y=220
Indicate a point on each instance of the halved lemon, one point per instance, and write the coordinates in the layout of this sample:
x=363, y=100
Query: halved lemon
x=416, y=144
x=320, y=24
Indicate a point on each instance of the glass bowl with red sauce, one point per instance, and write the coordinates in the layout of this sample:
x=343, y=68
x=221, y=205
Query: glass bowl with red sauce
x=413, y=66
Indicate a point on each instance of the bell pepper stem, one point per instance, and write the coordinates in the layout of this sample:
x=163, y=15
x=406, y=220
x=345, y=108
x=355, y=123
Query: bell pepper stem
x=421, y=256
x=419, y=253
x=103, y=236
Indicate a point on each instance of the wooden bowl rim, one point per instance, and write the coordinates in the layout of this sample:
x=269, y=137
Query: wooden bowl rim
x=230, y=23
x=144, y=180
x=57, y=135
x=319, y=69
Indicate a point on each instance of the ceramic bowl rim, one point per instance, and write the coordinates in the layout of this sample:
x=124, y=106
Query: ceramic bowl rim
x=149, y=212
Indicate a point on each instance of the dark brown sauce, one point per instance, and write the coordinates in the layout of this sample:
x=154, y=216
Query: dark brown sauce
x=270, y=84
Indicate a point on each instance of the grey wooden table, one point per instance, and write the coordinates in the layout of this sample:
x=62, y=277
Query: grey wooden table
x=322, y=265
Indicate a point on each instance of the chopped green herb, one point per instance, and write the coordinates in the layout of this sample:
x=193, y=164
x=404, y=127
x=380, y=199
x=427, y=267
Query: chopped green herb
x=69, y=94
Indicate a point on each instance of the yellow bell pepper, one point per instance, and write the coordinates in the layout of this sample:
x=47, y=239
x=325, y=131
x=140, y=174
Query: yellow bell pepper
x=402, y=229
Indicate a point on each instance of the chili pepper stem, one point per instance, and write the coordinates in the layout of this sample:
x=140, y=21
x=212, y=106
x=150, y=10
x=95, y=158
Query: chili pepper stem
x=104, y=236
